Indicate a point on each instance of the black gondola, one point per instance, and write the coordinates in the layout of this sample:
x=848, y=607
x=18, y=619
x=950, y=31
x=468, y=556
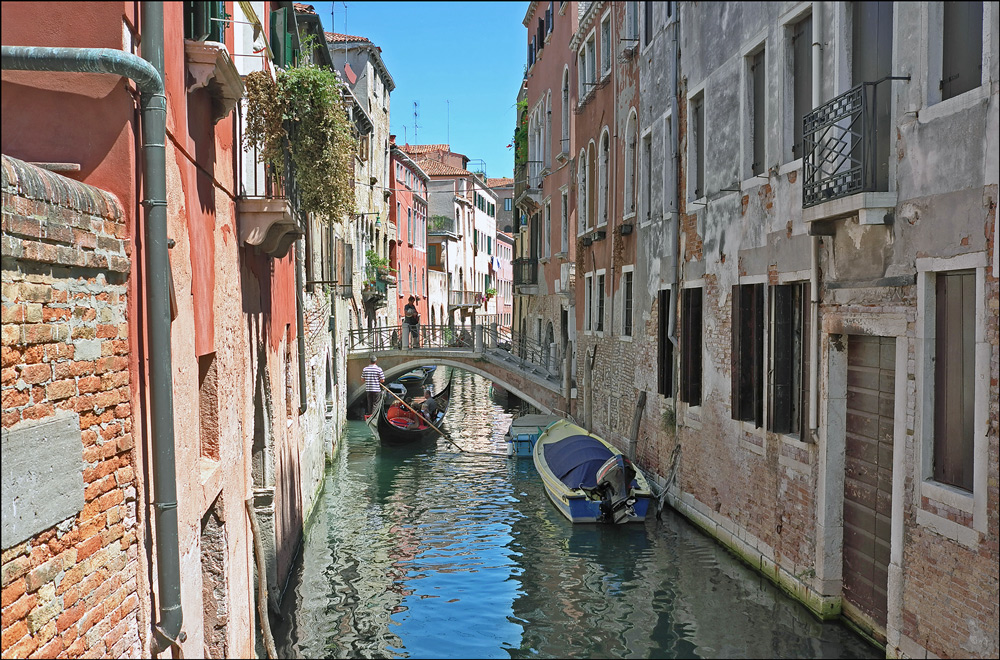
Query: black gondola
x=398, y=424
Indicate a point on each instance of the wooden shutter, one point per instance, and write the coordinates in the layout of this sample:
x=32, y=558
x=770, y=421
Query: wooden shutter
x=781, y=403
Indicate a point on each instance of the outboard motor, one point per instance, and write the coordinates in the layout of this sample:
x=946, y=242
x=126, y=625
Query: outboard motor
x=614, y=483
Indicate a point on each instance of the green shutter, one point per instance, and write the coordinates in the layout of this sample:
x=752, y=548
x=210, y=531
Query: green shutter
x=280, y=42
x=197, y=25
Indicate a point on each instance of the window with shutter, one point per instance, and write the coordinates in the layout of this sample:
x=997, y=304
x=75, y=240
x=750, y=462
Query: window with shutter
x=789, y=333
x=747, y=339
x=691, y=357
x=665, y=359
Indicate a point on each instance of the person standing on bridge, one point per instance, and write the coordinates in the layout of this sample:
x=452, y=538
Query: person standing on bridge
x=411, y=324
x=374, y=377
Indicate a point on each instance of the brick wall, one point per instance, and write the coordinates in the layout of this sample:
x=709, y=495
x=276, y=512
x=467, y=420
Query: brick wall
x=73, y=588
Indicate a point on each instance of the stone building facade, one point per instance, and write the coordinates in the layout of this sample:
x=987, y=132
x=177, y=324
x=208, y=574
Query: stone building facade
x=812, y=371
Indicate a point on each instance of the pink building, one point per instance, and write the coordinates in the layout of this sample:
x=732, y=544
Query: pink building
x=408, y=184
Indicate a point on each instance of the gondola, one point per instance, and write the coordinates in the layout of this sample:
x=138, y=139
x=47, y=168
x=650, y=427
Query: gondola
x=397, y=424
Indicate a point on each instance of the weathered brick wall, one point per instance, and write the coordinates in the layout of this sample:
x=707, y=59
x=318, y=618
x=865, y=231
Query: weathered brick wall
x=72, y=589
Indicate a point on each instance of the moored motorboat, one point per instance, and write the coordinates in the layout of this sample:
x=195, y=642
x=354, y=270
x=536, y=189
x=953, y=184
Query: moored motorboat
x=401, y=423
x=413, y=380
x=587, y=479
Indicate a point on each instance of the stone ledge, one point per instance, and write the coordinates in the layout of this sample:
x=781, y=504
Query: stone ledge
x=25, y=180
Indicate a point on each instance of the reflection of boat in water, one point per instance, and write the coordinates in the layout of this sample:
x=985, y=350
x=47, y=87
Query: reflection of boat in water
x=587, y=479
x=398, y=423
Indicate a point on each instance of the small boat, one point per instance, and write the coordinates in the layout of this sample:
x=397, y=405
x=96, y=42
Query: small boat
x=523, y=433
x=587, y=479
x=399, y=424
x=413, y=380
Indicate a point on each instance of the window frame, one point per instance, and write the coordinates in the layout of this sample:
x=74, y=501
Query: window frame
x=627, y=330
x=972, y=503
x=692, y=345
x=747, y=353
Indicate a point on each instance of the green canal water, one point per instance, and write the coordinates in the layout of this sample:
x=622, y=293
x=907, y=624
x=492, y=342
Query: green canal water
x=427, y=552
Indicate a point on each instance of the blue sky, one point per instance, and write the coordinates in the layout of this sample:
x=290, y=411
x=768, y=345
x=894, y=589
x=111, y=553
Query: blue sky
x=462, y=62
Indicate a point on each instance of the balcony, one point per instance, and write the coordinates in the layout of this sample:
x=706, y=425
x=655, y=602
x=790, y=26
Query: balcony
x=265, y=218
x=466, y=299
x=525, y=271
x=442, y=225
x=843, y=174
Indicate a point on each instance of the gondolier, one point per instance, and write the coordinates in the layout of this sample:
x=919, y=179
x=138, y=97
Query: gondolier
x=374, y=377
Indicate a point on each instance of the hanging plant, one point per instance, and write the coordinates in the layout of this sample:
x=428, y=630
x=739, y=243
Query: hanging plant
x=305, y=110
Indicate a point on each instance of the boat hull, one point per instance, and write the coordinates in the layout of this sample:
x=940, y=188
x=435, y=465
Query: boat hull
x=577, y=504
x=393, y=416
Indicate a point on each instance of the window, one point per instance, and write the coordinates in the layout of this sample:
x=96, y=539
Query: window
x=647, y=175
x=961, y=48
x=564, y=225
x=758, y=100
x=628, y=196
x=581, y=192
x=801, y=79
x=632, y=21
x=747, y=338
x=508, y=204
x=690, y=385
x=698, y=137
x=954, y=378
x=409, y=225
x=599, y=321
x=581, y=67
x=548, y=19
x=602, y=180
x=789, y=333
x=665, y=352
x=647, y=23
x=627, y=303
x=564, y=129
x=606, y=45
x=668, y=166
x=547, y=235
x=588, y=294
x=591, y=61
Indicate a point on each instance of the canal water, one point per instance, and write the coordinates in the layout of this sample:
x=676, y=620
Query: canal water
x=429, y=552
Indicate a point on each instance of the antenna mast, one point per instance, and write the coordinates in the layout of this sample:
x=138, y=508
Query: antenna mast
x=416, y=111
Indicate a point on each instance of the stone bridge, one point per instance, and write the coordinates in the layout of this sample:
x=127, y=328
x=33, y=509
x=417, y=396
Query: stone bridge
x=530, y=382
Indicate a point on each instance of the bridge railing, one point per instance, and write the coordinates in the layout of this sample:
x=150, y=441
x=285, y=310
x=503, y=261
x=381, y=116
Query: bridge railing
x=528, y=351
x=395, y=337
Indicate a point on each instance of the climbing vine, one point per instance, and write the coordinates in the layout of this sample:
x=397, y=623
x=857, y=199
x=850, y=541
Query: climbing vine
x=304, y=109
x=521, y=134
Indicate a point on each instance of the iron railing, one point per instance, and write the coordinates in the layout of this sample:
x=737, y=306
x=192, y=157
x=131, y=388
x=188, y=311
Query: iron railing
x=464, y=299
x=496, y=341
x=842, y=145
x=525, y=271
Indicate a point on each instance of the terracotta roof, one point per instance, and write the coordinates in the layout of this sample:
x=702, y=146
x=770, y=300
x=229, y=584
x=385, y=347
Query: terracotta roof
x=424, y=148
x=303, y=9
x=336, y=37
x=500, y=182
x=436, y=168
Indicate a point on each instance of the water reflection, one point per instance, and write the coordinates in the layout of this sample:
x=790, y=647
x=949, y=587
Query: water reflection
x=425, y=551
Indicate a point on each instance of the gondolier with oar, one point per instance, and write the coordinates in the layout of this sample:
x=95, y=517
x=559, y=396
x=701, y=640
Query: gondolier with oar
x=374, y=377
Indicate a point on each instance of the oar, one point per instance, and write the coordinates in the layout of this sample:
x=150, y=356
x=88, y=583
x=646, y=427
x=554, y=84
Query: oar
x=419, y=415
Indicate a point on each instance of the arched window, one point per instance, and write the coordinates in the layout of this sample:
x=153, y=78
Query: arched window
x=591, y=184
x=581, y=192
x=631, y=132
x=602, y=179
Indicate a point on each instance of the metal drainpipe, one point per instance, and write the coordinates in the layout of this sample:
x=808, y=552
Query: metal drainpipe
x=147, y=72
x=300, y=321
x=675, y=235
x=817, y=99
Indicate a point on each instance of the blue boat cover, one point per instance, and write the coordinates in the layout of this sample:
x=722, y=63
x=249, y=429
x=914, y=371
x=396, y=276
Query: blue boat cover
x=575, y=460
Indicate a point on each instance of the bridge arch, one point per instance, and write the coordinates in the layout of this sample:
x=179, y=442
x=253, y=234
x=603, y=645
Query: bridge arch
x=546, y=397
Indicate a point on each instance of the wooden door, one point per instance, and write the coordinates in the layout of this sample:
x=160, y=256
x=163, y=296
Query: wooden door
x=868, y=476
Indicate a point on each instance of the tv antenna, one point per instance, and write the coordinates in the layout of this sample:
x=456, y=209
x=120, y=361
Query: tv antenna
x=416, y=112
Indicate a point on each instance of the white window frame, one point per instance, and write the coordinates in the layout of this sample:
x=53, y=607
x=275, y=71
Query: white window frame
x=603, y=179
x=564, y=220
x=588, y=303
x=787, y=86
x=630, y=191
x=606, y=45
x=547, y=229
x=932, y=15
x=630, y=269
x=973, y=503
x=692, y=152
x=747, y=53
x=599, y=296
x=645, y=178
x=581, y=193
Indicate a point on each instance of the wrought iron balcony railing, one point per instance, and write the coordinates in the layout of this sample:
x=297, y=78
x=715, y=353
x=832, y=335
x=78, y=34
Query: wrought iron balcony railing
x=845, y=143
x=525, y=271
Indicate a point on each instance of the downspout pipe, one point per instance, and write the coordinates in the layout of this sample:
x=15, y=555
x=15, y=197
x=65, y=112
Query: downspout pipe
x=147, y=72
x=674, y=158
x=301, y=335
x=817, y=99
